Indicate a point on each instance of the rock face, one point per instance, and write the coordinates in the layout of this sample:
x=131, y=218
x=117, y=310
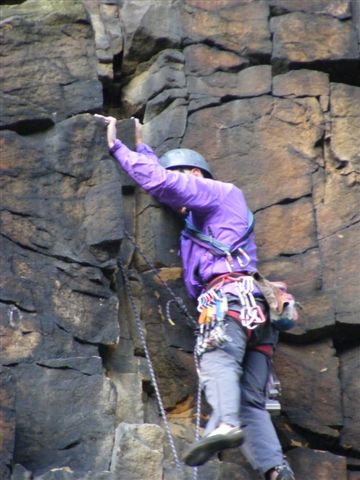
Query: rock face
x=301, y=37
x=60, y=72
x=269, y=92
x=77, y=433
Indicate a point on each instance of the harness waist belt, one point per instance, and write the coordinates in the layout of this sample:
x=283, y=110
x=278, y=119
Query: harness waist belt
x=224, y=279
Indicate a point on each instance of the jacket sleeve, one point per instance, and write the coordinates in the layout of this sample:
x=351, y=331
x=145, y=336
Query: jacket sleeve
x=171, y=188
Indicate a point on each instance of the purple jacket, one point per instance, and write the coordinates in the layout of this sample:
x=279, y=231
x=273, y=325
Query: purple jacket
x=216, y=208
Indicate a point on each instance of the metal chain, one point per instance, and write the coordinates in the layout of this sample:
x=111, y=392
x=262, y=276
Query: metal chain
x=149, y=363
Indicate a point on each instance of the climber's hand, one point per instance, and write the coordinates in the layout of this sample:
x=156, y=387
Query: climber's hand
x=107, y=120
x=138, y=128
x=110, y=122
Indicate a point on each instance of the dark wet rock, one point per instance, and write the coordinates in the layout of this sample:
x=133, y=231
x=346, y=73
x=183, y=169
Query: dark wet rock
x=7, y=421
x=60, y=71
x=311, y=391
x=73, y=424
x=317, y=464
x=335, y=8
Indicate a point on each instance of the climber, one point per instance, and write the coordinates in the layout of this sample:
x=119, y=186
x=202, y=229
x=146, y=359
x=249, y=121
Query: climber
x=235, y=340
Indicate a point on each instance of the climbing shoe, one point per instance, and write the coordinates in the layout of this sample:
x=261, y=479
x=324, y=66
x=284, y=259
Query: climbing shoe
x=280, y=472
x=221, y=438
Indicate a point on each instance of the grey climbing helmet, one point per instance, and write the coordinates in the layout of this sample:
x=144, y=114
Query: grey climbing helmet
x=184, y=157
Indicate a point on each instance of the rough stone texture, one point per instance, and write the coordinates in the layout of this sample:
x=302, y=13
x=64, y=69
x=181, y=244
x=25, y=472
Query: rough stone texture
x=174, y=385
x=204, y=60
x=276, y=114
x=41, y=216
x=68, y=426
x=148, y=27
x=301, y=83
x=19, y=113
x=105, y=21
x=20, y=473
x=167, y=129
x=349, y=366
x=250, y=82
x=7, y=421
x=243, y=27
x=65, y=169
x=60, y=72
x=278, y=238
x=340, y=274
x=330, y=191
x=67, y=473
x=301, y=37
x=160, y=247
x=353, y=475
x=138, y=452
x=32, y=336
x=318, y=464
x=335, y=8
x=310, y=385
x=356, y=16
x=55, y=296
x=345, y=127
x=164, y=73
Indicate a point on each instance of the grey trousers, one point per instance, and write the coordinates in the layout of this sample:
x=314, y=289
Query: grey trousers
x=235, y=381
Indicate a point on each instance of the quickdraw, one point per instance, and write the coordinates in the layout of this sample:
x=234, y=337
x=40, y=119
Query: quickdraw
x=213, y=306
x=251, y=315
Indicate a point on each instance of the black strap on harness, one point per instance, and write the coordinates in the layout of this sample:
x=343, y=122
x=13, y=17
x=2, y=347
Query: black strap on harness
x=216, y=247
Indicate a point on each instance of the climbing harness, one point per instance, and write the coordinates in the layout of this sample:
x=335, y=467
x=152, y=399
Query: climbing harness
x=213, y=306
x=179, y=302
x=251, y=315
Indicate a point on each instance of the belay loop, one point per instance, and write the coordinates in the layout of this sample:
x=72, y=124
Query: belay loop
x=191, y=321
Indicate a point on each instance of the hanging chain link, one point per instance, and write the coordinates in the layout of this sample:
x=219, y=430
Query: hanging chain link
x=192, y=322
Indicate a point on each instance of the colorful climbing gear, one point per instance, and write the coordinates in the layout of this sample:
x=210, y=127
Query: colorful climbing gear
x=213, y=306
x=215, y=317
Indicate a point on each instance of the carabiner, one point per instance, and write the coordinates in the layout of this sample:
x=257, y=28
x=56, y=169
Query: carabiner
x=245, y=255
